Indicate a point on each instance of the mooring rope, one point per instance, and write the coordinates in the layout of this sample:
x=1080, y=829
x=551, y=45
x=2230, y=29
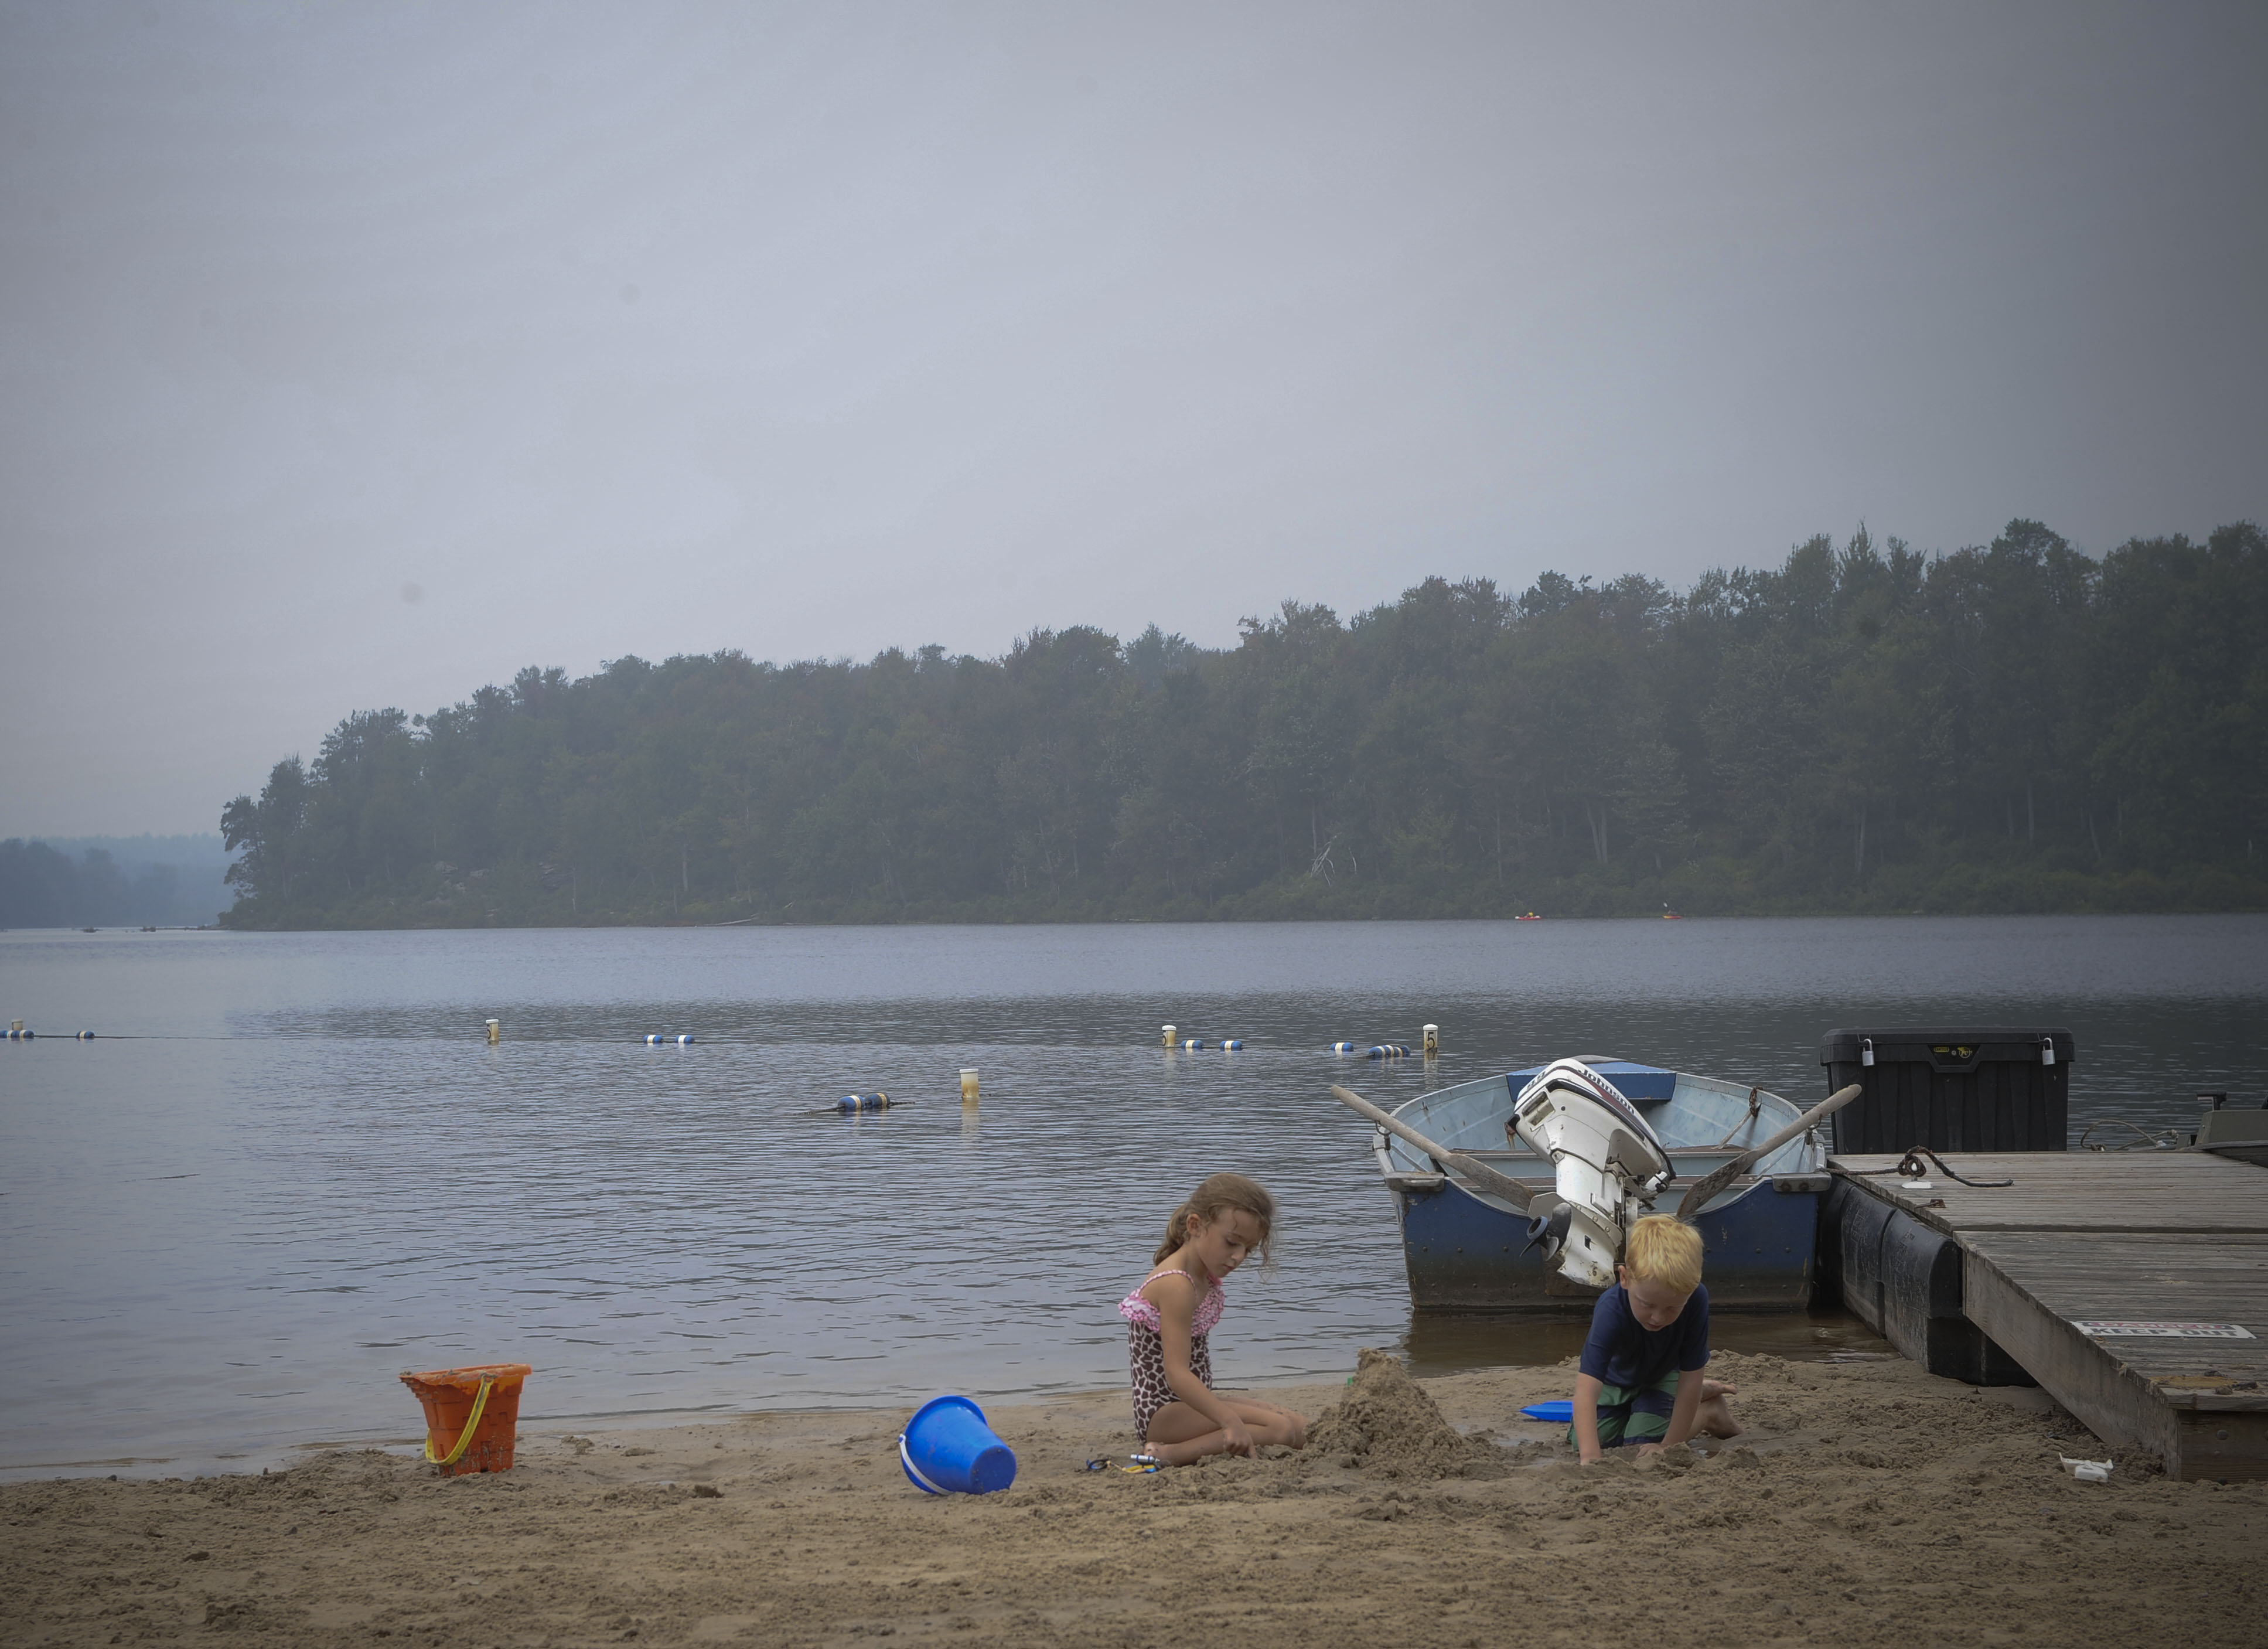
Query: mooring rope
x=1911, y=1165
x=2152, y=1139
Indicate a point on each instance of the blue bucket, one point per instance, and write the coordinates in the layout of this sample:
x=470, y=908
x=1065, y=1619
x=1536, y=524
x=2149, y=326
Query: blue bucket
x=947, y=1448
x=1557, y=1413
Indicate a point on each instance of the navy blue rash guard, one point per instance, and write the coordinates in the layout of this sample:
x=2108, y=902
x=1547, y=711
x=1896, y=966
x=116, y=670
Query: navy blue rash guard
x=1622, y=1353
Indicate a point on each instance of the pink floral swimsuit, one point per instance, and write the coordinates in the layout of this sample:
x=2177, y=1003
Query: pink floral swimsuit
x=1145, y=1348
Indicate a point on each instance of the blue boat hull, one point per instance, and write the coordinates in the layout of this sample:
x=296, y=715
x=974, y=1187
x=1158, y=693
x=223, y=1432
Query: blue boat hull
x=1464, y=1254
x=1467, y=1250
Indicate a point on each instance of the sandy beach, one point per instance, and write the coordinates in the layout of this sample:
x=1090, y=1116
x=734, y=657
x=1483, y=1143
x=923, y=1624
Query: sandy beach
x=1870, y=1504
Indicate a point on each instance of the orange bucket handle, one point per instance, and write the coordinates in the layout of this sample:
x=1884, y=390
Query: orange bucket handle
x=465, y=1437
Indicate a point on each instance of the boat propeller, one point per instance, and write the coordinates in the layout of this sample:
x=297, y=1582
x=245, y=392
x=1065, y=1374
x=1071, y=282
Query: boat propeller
x=1550, y=1230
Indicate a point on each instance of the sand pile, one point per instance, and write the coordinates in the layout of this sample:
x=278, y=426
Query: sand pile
x=1387, y=1421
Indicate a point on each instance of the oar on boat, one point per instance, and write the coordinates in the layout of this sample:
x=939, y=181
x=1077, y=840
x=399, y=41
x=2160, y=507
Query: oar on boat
x=1479, y=1173
x=1706, y=1187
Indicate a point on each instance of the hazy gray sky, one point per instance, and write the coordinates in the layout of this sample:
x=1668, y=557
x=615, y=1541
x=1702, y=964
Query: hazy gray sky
x=358, y=355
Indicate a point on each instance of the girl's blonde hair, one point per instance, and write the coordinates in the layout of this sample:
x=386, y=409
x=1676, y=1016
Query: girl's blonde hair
x=1216, y=1197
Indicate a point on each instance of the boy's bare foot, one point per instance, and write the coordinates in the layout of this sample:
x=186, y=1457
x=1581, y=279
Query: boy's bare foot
x=1715, y=1417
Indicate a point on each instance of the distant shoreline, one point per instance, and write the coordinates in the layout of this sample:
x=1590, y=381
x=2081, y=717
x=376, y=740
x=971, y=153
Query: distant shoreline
x=2112, y=901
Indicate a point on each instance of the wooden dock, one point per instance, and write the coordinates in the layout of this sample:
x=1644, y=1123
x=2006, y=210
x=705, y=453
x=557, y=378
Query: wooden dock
x=2068, y=1269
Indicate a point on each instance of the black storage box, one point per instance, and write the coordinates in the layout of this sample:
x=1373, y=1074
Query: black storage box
x=1992, y=1088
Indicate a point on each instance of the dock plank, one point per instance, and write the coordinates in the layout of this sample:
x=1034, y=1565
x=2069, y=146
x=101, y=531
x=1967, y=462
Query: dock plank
x=2170, y=1190
x=2182, y=1278
x=2173, y=1236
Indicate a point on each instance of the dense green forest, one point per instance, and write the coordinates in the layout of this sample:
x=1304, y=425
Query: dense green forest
x=2009, y=728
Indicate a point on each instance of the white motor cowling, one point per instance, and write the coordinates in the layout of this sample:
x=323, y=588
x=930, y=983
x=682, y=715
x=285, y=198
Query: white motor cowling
x=1604, y=1155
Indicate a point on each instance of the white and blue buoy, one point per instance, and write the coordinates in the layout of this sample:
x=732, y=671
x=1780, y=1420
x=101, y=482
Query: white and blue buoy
x=1232, y=1044
x=84, y=1036
x=654, y=1039
x=685, y=1042
x=851, y=1102
x=1344, y=1048
x=1192, y=1041
x=1389, y=1051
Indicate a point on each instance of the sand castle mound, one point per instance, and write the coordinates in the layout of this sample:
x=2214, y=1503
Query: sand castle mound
x=1388, y=1420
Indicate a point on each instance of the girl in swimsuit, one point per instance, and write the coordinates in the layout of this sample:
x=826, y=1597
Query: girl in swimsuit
x=1177, y=1414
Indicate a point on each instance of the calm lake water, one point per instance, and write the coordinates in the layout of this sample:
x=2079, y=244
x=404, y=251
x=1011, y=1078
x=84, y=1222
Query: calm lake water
x=292, y=1167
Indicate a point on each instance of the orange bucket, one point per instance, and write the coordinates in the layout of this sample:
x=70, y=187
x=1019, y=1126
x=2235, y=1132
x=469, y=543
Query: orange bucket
x=472, y=1415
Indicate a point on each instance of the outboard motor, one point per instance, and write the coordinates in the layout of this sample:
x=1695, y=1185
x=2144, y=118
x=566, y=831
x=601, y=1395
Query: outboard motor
x=1605, y=1155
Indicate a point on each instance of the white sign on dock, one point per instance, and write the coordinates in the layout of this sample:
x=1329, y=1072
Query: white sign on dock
x=2165, y=1330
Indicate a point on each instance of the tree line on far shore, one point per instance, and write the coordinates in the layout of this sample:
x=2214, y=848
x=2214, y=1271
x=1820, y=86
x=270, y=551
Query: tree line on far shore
x=114, y=884
x=2010, y=727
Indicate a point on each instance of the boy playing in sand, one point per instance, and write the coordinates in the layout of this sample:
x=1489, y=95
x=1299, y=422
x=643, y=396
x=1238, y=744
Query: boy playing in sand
x=1640, y=1376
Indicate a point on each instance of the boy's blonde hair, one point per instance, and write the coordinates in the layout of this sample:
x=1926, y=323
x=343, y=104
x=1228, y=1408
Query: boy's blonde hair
x=1664, y=1250
x=1216, y=1197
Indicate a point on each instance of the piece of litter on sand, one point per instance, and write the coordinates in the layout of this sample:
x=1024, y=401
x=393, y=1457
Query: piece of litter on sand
x=2086, y=1470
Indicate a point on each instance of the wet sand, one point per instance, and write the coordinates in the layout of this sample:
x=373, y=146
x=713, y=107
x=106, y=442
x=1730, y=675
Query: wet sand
x=1871, y=1504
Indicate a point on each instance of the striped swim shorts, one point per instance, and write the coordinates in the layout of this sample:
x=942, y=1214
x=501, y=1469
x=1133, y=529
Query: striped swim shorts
x=1621, y=1421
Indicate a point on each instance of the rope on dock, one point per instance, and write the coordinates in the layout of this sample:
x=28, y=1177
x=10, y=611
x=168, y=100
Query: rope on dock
x=1910, y=1165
